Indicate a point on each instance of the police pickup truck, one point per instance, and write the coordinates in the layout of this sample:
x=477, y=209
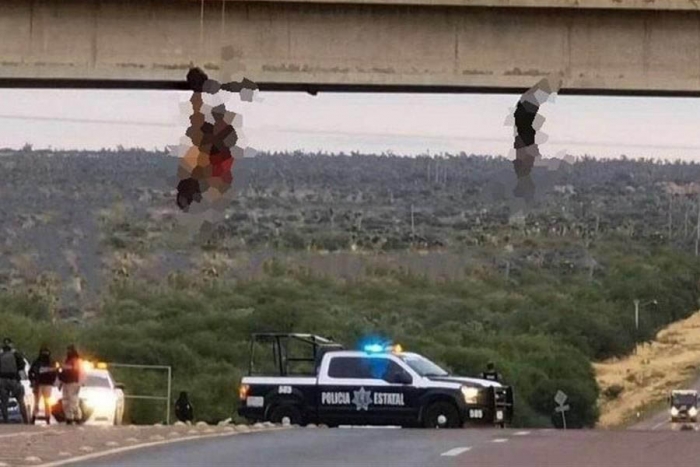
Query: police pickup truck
x=378, y=385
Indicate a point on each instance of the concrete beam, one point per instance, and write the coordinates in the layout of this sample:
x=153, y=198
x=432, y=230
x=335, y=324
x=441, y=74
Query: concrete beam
x=356, y=46
x=692, y=5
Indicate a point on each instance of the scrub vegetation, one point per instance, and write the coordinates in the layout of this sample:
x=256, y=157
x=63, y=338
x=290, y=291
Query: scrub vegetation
x=428, y=252
x=645, y=378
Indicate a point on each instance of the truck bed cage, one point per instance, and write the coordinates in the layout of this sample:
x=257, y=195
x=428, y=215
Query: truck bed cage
x=279, y=340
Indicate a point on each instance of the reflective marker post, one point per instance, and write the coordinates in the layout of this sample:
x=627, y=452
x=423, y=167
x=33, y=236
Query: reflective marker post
x=150, y=367
x=562, y=409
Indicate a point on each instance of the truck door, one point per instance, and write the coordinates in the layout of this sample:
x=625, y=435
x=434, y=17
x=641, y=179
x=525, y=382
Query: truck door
x=359, y=390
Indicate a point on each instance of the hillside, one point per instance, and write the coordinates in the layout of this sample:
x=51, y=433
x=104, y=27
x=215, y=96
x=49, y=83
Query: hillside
x=645, y=378
x=433, y=252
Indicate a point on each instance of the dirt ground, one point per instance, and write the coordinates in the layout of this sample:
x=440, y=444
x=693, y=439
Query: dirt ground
x=671, y=361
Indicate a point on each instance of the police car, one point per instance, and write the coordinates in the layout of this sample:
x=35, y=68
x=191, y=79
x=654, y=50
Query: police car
x=378, y=385
x=101, y=399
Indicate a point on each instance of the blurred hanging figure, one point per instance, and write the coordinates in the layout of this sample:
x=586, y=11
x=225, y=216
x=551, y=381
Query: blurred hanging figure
x=183, y=408
x=205, y=171
x=192, y=169
x=526, y=150
x=223, y=139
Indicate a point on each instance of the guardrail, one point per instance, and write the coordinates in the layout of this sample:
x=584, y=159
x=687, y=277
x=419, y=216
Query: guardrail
x=167, y=398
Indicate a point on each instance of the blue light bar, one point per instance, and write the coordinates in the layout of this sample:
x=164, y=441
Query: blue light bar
x=374, y=348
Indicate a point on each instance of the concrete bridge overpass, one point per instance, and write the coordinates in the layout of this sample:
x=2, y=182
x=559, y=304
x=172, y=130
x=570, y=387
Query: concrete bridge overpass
x=646, y=47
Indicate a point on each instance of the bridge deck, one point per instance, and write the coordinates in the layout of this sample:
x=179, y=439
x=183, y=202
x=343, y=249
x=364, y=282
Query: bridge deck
x=575, y=4
x=288, y=45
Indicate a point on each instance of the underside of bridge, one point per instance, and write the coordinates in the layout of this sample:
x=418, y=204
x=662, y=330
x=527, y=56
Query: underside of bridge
x=370, y=46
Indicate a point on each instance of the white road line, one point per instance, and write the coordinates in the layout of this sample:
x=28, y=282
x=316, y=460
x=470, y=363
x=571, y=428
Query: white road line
x=521, y=433
x=370, y=427
x=456, y=451
x=25, y=433
x=499, y=440
x=659, y=424
x=109, y=452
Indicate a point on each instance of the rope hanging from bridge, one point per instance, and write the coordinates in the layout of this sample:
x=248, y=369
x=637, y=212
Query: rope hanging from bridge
x=201, y=29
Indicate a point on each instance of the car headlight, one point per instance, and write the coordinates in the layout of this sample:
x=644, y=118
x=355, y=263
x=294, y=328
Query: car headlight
x=674, y=411
x=693, y=411
x=100, y=400
x=470, y=394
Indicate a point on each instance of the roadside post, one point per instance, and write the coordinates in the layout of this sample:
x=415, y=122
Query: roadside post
x=560, y=398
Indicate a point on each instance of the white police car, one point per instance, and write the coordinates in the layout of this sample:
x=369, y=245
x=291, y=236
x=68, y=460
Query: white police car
x=101, y=399
x=379, y=385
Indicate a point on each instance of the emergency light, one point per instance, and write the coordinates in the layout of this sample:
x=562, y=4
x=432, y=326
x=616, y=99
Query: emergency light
x=88, y=365
x=379, y=348
x=374, y=348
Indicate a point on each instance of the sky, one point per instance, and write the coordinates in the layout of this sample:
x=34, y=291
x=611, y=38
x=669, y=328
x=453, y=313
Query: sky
x=405, y=124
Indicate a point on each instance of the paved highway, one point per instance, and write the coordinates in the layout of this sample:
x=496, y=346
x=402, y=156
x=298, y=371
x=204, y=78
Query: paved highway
x=363, y=447
x=661, y=420
x=658, y=421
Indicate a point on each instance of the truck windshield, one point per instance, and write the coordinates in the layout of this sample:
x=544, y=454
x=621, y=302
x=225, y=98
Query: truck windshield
x=423, y=366
x=684, y=399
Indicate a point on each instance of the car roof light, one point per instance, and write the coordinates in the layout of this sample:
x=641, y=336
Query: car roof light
x=373, y=348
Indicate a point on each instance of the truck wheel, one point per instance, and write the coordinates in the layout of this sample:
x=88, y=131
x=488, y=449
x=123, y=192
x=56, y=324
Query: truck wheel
x=286, y=411
x=441, y=415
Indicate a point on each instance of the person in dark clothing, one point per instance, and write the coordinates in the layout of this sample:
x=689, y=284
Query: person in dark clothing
x=183, y=408
x=11, y=365
x=42, y=376
x=491, y=374
x=71, y=376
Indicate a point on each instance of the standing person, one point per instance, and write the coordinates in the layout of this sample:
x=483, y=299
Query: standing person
x=183, y=408
x=42, y=375
x=70, y=377
x=11, y=364
x=491, y=374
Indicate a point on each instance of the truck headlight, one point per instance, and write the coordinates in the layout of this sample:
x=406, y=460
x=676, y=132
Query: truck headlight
x=470, y=394
x=693, y=411
x=674, y=411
